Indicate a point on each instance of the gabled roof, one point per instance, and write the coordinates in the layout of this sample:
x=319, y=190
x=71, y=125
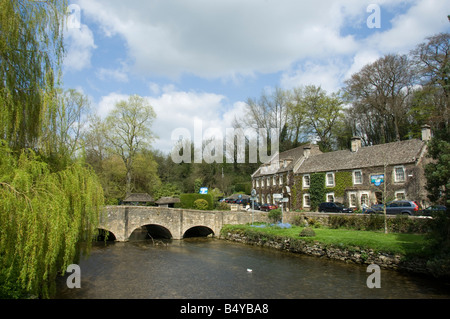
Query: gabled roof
x=395, y=153
x=138, y=197
x=167, y=200
x=291, y=156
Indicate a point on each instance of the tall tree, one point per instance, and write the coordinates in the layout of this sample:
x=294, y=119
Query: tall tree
x=128, y=131
x=382, y=89
x=324, y=112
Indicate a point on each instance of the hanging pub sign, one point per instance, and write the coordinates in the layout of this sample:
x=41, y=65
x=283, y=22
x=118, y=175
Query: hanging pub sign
x=377, y=179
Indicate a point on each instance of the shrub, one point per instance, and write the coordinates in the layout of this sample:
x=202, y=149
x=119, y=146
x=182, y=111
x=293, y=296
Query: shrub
x=201, y=204
x=222, y=206
x=275, y=215
x=187, y=200
x=307, y=232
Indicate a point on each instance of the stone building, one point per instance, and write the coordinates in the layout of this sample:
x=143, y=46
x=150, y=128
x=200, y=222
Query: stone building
x=356, y=177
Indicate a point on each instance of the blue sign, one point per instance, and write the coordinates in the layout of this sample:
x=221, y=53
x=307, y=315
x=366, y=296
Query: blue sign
x=203, y=190
x=377, y=179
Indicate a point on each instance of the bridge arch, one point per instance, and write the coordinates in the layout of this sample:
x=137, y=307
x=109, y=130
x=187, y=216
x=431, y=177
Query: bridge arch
x=147, y=231
x=105, y=234
x=198, y=231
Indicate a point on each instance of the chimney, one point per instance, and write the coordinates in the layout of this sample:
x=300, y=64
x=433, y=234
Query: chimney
x=356, y=144
x=306, y=151
x=426, y=132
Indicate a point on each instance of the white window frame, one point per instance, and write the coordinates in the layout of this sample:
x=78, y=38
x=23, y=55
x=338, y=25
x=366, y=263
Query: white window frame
x=330, y=194
x=368, y=198
x=326, y=179
x=354, y=177
x=303, y=181
x=305, y=205
x=257, y=183
x=268, y=199
x=400, y=191
x=395, y=174
x=280, y=180
x=350, y=199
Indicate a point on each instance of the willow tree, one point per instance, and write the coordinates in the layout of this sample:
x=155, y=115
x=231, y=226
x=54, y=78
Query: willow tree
x=47, y=221
x=31, y=52
x=48, y=216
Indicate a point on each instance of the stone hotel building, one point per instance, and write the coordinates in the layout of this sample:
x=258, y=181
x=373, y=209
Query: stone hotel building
x=353, y=177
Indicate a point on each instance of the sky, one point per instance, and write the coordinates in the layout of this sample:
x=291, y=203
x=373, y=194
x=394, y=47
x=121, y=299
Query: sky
x=200, y=61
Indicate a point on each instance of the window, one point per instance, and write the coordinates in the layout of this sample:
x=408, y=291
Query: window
x=357, y=177
x=352, y=200
x=399, y=174
x=306, y=181
x=257, y=183
x=330, y=197
x=281, y=179
x=274, y=180
x=400, y=195
x=306, y=201
x=329, y=179
x=269, y=200
x=364, y=199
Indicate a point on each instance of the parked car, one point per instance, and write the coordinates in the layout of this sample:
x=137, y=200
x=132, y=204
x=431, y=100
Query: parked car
x=268, y=207
x=334, y=207
x=432, y=210
x=243, y=201
x=402, y=207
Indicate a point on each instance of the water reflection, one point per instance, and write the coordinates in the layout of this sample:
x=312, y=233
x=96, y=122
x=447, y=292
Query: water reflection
x=210, y=268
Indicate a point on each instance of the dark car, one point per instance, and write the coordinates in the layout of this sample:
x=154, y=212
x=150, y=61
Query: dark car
x=268, y=207
x=334, y=207
x=243, y=201
x=432, y=210
x=402, y=207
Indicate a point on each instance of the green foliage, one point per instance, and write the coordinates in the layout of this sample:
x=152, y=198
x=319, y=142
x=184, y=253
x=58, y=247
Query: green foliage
x=317, y=189
x=307, y=232
x=222, y=206
x=187, y=200
x=343, y=180
x=48, y=219
x=31, y=46
x=275, y=215
x=201, y=204
x=374, y=222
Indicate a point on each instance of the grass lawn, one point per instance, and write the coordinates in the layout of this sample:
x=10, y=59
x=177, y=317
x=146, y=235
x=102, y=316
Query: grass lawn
x=404, y=244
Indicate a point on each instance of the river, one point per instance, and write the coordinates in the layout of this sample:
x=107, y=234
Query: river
x=204, y=268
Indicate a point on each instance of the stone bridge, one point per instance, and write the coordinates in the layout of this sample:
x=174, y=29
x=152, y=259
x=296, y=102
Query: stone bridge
x=175, y=223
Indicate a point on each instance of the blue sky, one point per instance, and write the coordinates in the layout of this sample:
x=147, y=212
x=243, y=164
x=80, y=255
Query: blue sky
x=200, y=59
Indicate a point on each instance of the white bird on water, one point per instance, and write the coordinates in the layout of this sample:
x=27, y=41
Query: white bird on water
x=249, y=270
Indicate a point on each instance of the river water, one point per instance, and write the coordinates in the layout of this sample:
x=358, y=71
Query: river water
x=208, y=268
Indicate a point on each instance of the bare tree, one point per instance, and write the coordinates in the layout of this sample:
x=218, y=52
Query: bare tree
x=384, y=88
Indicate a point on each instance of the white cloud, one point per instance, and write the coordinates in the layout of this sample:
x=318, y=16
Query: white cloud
x=222, y=38
x=424, y=18
x=110, y=74
x=178, y=109
x=79, y=47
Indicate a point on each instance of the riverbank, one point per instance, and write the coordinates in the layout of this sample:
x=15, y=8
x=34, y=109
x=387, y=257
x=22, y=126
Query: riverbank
x=404, y=252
